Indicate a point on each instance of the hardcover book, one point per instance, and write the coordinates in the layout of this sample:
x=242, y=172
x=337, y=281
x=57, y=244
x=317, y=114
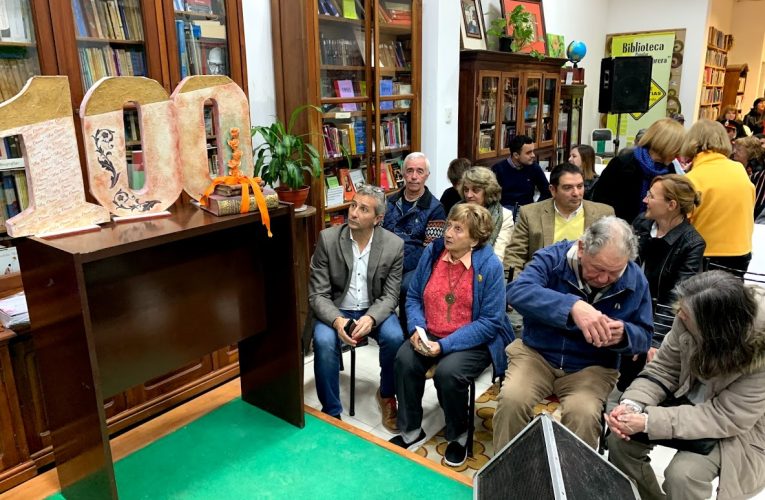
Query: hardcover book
x=231, y=205
x=344, y=88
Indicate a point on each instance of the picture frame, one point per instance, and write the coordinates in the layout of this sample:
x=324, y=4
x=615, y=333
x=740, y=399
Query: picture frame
x=471, y=25
x=214, y=55
x=537, y=11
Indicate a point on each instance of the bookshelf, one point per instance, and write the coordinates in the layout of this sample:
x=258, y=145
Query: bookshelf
x=502, y=95
x=362, y=67
x=716, y=60
x=734, y=87
x=204, y=37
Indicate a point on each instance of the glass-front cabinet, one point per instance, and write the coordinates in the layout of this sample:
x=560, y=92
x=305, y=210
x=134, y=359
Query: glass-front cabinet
x=18, y=47
x=503, y=95
x=569, y=121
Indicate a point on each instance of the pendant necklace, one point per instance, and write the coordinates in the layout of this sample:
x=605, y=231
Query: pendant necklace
x=449, y=296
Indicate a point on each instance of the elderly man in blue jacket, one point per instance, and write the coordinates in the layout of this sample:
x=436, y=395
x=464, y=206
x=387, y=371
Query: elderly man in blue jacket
x=584, y=304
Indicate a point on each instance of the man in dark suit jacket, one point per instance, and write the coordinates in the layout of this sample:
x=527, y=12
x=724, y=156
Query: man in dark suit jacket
x=353, y=292
x=539, y=223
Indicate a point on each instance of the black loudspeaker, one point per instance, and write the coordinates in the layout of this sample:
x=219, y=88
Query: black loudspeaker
x=546, y=460
x=625, y=84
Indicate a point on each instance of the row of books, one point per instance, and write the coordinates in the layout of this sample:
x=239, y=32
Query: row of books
x=711, y=95
x=394, y=132
x=508, y=133
x=349, y=9
x=714, y=58
x=340, y=52
x=719, y=39
x=196, y=6
x=487, y=110
x=112, y=19
x=393, y=54
x=341, y=188
x=350, y=137
x=709, y=112
x=486, y=139
x=397, y=13
x=17, y=25
x=98, y=62
x=714, y=76
x=14, y=73
x=391, y=176
x=200, y=55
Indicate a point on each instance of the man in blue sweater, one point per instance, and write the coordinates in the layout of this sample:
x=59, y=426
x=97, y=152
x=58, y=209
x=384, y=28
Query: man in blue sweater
x=520, y=174
x=584, y=304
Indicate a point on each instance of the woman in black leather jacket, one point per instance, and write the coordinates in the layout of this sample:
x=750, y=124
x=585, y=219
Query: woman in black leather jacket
x=669, y=250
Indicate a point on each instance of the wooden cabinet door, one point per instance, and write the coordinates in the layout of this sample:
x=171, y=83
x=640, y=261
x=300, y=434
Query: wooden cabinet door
x=487, y=102
x=509, y=115
x=532, y=97
x=548, y=110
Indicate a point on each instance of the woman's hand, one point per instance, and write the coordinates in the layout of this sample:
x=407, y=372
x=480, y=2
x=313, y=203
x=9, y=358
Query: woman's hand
x=651, y=353
x=624, y=422
x=434, y=347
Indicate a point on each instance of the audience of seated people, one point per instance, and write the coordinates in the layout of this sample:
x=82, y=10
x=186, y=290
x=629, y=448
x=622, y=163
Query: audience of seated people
x=584, y=304
x=624, y=182
x=727, y=196
x=712, y=366
x=670, y=250
x=479, y=185
x=456, y=297
x=586, y=285
x=583, y=156
x=452, y=195
x=520, y=175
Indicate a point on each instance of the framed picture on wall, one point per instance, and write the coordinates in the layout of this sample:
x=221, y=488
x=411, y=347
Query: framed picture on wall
x=538, y=25
x=471, y=25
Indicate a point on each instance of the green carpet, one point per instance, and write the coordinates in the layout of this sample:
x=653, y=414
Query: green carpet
x=239, y=451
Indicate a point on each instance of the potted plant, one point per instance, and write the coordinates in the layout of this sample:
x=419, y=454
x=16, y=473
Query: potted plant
x=522, y=23
x=285, y=158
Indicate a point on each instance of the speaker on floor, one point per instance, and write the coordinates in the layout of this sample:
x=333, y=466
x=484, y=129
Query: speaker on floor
x=625, y=84
x=546, y=460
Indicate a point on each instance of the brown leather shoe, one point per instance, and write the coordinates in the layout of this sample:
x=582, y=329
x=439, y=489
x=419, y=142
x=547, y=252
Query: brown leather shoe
x=389, y=412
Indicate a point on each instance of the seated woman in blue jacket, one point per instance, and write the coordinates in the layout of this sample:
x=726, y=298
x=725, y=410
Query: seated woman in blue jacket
x=457, y=297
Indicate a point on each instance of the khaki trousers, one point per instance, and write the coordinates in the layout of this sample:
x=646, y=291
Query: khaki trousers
x=688, y=475
x=530, y=378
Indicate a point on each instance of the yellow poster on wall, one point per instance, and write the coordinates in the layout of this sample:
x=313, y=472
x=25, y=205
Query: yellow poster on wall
x=660, y=47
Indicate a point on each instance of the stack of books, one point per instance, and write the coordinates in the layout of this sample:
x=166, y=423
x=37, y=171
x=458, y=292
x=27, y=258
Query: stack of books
x=227, y=200
x=13, y=311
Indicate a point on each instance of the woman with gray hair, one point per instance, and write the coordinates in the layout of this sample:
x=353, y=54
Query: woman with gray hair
x=479, y=185
x=703, y=394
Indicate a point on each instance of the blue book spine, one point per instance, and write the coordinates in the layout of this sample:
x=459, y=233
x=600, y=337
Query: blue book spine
x=183, y=57
x=11, y=201
x=79, y=17
x=386, y=88
x=361, y=137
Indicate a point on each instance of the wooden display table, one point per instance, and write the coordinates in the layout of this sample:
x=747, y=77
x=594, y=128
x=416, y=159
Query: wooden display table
x=115, y=308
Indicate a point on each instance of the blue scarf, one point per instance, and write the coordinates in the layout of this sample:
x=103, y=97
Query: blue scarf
x=650, y=170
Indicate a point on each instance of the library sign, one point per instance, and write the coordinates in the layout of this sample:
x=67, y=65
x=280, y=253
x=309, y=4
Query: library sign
x=173, y=140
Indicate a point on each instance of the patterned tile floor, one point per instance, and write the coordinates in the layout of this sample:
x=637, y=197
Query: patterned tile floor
x=367, y=415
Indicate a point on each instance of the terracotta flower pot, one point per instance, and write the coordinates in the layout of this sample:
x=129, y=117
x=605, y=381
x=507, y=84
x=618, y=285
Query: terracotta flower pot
x=295, y=196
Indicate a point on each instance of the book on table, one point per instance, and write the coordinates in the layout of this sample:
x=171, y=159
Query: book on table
x=13, y=311
x=230, y=205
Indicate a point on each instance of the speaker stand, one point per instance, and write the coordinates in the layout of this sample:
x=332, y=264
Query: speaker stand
x=616, y=136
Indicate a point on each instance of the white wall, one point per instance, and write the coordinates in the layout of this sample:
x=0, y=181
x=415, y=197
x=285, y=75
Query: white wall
x=260, y=61
x=748, y=46
x=440, y=87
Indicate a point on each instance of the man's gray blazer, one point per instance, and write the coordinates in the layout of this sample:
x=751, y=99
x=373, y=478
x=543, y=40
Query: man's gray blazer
x=331, y=266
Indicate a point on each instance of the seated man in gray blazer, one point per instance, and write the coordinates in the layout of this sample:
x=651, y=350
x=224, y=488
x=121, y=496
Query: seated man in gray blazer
x=565, y=216
x=353, y=292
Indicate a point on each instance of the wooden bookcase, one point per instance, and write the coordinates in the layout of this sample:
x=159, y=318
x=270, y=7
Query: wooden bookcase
x=569, y=121
x=502, y=95
x=735, y=85
x=362, y=68
x=718, y=45
x=55, y=42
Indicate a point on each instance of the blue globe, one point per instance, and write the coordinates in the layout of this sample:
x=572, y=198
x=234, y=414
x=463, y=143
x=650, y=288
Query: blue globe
x=576, y=51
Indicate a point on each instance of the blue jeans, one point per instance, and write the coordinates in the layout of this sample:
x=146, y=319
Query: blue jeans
x=327, y=351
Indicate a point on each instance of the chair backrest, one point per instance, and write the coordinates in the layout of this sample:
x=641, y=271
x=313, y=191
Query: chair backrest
x=747, y=276
x=663, y=317
x=601, y=140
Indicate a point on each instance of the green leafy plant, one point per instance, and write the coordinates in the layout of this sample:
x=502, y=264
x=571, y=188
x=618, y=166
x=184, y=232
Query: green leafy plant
x=284, y=156
x=522, y=23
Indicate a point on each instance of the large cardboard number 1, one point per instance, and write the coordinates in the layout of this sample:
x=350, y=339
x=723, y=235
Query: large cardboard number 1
x=103, y=134
x=42, y=115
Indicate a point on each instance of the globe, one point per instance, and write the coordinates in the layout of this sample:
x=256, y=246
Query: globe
x=576, y=51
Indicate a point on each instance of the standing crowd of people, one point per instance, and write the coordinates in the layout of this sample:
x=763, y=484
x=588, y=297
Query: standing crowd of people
x=555, y=285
